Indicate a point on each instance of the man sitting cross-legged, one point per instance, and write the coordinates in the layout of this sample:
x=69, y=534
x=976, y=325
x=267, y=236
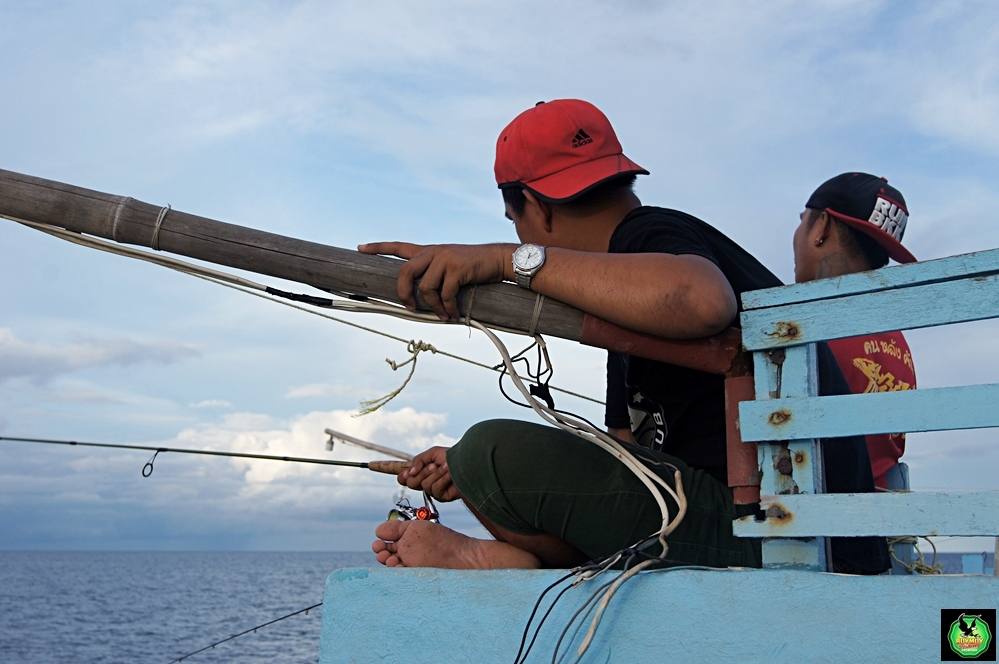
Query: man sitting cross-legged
x=549, y=498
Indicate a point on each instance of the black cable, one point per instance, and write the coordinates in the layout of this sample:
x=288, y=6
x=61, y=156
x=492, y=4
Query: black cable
x=324, y=302
x=534, y=611
x=541, y=623
x=245, y=632
x=588, y=603
x=596, y=593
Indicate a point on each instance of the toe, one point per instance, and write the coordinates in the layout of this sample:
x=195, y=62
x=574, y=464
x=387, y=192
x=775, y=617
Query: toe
x=377, y=546
x=383, y=556
x=391, y=531
x=393, y=561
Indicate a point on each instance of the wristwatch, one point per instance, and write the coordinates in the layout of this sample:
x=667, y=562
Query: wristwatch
x=527, y=260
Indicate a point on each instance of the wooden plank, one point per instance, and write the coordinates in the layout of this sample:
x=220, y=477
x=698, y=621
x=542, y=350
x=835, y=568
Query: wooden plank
x=129, y=221
x=884, y=514
x=934, y=409
x=976, y=264
x=789, y=372
x=801, y=380
x=920, y=306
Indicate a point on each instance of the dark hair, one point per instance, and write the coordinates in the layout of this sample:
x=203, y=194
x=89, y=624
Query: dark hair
x=854, y=241
x=874, y=254
x=513, y=195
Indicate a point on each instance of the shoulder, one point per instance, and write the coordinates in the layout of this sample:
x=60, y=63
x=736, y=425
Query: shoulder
x=656, y=229
x=648, y=215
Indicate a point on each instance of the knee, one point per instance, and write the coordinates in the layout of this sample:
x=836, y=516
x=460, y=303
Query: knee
x=491, y=444
x=479, y=443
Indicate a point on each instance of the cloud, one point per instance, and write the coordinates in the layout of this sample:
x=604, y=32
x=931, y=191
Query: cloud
x=41, y=361
x=313, y=390
x=211, y=403
x=258, y=500
x=739, y=110
x=304, y=436
x=960, y=108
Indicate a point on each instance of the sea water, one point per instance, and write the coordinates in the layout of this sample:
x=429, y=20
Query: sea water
x=83, y=607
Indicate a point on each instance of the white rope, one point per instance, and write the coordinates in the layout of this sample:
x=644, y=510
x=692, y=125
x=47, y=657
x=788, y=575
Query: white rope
x=563, y=421
x=250, y=287
x=414, y=348
x=607, y=443
x=532, y=329
x=154, y=242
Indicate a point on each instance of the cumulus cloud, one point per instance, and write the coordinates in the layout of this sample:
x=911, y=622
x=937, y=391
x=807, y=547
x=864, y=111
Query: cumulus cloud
x=188, y=494
x=41, y=361
x=405, y=429
x=739, y=109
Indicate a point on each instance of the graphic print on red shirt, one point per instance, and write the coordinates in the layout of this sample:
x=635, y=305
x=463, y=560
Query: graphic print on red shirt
x=878, y=363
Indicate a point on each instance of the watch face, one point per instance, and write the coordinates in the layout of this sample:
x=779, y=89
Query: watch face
x=528, y=256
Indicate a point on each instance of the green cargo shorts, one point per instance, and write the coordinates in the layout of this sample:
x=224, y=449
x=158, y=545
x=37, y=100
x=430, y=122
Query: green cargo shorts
x=534, y=479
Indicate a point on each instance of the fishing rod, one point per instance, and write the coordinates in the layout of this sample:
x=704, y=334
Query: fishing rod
x=403, y=509
x=335, y=435
x=387, y=467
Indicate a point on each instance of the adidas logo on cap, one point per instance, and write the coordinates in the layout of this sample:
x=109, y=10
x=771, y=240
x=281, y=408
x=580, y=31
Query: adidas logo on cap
x=581, y=138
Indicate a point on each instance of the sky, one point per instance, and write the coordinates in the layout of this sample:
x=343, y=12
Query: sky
x=352, y=122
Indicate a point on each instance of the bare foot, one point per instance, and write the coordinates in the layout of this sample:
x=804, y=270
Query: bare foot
x=425, y=544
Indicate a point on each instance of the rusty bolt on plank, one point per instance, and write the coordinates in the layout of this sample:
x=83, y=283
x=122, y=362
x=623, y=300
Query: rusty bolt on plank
x=785, y=331
x=799, y=457
x=779, y=417
x=777, y=511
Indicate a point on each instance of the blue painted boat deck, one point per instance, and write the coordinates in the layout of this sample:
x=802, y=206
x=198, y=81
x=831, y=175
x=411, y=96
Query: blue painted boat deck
x=439, y=616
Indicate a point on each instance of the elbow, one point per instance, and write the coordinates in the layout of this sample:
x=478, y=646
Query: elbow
x=717, y=311
x=707, y=312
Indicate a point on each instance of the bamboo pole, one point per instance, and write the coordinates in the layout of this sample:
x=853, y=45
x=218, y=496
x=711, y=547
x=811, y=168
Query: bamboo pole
x=130, y=221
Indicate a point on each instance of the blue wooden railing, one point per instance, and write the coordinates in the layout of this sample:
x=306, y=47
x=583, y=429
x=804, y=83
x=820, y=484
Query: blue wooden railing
x=780, y=327
x=662, y=616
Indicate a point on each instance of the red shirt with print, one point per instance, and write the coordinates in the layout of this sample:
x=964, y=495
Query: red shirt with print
x=878, y=363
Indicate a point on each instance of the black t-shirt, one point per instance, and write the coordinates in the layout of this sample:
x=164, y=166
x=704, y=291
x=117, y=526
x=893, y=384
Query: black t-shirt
x=681, y=411
x=673, y=409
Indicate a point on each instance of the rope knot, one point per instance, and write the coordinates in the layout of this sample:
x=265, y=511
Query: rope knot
x=414, y=348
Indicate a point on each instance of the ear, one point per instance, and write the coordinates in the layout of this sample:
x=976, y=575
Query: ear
x=538, y=210
x=821, y=228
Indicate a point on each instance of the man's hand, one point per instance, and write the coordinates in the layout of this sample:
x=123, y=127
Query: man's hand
x=428, y=472
x=442, y=269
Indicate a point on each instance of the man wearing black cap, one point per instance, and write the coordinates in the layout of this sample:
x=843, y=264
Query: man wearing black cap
x=852, y=223
x=549, y=498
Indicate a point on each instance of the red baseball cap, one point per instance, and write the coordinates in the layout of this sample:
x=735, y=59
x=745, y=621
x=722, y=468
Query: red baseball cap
x=559, y=150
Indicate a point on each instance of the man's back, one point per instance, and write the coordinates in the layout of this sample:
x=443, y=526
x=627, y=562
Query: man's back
x=878, y=363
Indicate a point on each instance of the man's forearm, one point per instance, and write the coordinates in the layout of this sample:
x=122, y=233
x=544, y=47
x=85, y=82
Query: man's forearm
x=669, y=296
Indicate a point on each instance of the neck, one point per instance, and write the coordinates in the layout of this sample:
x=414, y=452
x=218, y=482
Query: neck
x=838, y=264
x=591, y=230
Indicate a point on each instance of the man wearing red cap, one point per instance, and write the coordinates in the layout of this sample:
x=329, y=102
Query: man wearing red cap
x=852, y=223
x=549, y=498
